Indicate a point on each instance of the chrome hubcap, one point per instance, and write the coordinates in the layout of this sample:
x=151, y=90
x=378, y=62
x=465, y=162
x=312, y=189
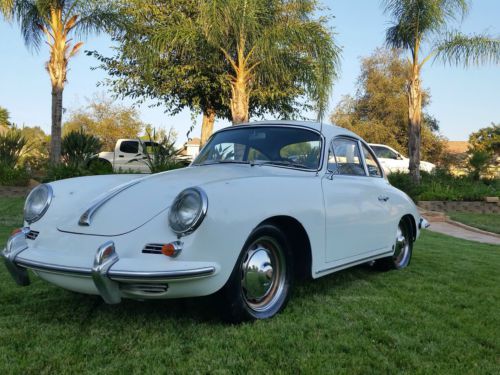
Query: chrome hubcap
x=262, y=274
x=402, y=247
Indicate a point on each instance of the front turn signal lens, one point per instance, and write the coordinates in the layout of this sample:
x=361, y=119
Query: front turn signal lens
x=172, y=249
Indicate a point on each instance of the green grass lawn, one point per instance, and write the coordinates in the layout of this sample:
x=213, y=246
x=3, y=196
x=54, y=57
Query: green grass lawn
x=439, y=316
x=488, y=222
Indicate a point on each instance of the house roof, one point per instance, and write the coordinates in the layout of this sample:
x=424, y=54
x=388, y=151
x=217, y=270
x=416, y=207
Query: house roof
x=457, y=147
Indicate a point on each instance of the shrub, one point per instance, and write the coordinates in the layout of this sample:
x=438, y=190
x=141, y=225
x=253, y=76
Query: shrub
x=162, y=155
x=17, y=176
x=478, y=163
x=445, y=187
x=78, y=148
x=12, y=145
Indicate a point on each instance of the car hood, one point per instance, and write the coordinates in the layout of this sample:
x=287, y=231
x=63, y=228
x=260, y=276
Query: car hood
x=131, y=205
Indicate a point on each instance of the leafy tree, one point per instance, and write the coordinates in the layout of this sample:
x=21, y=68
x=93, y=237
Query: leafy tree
x=38, y=154
x=4, y=118
x=105, y=120
x=167, y=53
x=268, y=42
x=57, y=20
x=484, y=152
x=378, y=112
x=486, y=139
x=419, y=27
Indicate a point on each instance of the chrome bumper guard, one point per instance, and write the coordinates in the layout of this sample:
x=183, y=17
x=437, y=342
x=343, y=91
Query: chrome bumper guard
x=423, y=224
x=106, y=281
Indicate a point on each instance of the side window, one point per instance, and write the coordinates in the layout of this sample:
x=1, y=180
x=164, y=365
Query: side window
x=371, y=163
x=346, y=158
x=129, y=147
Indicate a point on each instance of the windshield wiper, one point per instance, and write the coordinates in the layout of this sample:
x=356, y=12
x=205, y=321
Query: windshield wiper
x=228, y=161
x=280, y=163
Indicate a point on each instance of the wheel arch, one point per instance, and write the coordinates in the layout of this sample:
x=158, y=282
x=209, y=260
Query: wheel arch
x=299, y=242
x=411, y=222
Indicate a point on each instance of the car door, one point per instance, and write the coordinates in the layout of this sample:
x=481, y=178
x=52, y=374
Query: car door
x=355, y=204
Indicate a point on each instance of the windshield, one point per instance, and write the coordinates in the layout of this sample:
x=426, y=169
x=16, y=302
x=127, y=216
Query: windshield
x=282, y=146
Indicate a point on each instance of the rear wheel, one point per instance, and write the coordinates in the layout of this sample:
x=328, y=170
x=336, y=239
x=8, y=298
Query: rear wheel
x=260, y=284
x=403, y=248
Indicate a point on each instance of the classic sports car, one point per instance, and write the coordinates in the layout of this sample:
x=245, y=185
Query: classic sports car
x=262, y=204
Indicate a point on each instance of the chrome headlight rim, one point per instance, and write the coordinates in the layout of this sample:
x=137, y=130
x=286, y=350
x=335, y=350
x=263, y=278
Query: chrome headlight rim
x=202, y=211
x=48, y=201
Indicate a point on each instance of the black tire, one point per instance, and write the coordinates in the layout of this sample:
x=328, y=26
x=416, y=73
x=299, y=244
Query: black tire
x=259, y=286
x=403, y=249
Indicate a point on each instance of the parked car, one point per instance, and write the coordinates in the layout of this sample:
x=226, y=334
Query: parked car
x=393, y=161
x=130, y=155
x=261, y=205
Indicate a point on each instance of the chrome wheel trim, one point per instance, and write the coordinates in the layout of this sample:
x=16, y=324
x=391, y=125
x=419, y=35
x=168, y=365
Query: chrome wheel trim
x=401, y=248
x=263, y=274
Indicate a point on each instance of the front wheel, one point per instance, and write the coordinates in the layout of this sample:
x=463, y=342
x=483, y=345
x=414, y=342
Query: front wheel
x=403, y=249
x=260, y=284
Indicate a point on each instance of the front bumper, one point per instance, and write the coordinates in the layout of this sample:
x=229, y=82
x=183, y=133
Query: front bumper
x=106, y=277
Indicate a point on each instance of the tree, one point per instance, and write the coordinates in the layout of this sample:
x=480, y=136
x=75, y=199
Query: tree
x=378, y=112
x=181, y=71
x=56, y=20
x=165, y=54
x=486, y=139
x=420, y=25
x=4, y=117
x=105, y=120
x=271, y=41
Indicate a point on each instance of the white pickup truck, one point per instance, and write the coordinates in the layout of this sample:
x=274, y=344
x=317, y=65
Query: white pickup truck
x=127, y=156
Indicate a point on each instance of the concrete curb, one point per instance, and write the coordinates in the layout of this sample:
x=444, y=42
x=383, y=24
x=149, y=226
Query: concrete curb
x=472, y=229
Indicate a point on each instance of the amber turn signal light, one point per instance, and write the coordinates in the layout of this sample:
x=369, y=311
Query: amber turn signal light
x=172, y=249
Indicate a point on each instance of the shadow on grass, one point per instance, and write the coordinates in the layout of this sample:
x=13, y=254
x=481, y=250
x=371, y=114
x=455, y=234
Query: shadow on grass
x=43, y=303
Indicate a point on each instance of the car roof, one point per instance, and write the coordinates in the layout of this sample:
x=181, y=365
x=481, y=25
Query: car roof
x=328, y=130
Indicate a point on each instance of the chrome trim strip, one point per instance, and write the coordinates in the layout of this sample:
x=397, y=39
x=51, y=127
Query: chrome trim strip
x=52, y=268
x=158, y=276
x=118, y=275
x=354, y=262
x=86, y=218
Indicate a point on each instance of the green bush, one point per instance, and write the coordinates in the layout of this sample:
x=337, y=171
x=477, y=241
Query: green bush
x=12, y=145
x=17, y=176
x=441, y=186
x=162, y=155
x=77, y=148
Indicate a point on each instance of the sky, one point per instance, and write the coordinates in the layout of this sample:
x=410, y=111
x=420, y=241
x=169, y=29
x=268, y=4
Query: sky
x=462, y=100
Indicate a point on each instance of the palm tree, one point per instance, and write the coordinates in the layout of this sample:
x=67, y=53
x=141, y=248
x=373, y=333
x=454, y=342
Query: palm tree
x=421, y=26
x=271, y=41
x=56, y=20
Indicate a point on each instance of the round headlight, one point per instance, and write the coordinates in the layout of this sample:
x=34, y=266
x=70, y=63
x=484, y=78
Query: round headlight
x=188, y=210
x=37, y=203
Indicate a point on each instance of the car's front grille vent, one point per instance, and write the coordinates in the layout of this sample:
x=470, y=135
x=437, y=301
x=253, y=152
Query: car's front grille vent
x=32, y=235
x=144, y=290
x=152, y=248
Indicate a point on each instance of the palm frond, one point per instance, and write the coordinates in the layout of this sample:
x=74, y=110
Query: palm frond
x=460, y=49
x=416, y=19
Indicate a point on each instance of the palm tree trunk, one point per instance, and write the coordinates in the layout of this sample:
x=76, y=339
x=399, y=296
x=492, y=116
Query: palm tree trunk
x=207, y=125
x=414, y=125
x=239, y=101
x=55, y=140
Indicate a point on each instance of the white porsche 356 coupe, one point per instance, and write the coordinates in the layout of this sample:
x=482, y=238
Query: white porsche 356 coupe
x=262, y=204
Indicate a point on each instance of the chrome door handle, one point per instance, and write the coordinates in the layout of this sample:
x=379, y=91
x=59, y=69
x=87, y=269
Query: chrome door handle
x=383, y=198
